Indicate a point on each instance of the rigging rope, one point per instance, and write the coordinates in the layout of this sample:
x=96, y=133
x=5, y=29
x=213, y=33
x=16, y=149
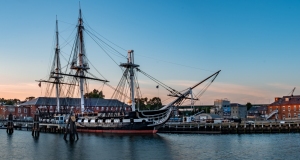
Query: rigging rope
x=106, y=52
x=103, y=36
x=173, y=91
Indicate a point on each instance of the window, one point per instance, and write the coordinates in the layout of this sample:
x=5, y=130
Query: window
x=295, y=115
x=25, y=110
x=295, y=108
x=270, y=109
x=289, y=115
x=19, y=110
x=289, y=108
x=283, y=116
x=283, y=108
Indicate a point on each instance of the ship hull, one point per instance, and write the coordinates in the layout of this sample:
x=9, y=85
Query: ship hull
x=117, y=131
x=122, y=128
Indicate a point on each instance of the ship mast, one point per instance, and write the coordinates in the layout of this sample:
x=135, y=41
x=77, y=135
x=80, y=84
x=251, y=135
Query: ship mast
x=79, y=62
x=57, y=66
x=55, y=72
x=130, y=65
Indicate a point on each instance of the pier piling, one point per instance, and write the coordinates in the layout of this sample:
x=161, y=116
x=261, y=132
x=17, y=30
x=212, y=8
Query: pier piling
x=10, y=124
x=36, y=126
x=71, y=128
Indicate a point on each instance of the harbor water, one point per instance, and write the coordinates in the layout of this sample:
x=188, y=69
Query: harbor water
x=21, y=145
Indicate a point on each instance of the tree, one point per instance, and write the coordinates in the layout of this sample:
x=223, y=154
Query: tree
x=155, y=103
x=141, y=103
x=9, y=101
x=29, y=98
x=145, y=104
x=94, y=94
x=249, y=105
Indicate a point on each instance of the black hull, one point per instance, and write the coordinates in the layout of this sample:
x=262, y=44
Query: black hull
x=135, y=127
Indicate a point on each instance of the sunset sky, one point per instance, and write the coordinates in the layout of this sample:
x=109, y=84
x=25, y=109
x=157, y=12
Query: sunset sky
x=255, y=43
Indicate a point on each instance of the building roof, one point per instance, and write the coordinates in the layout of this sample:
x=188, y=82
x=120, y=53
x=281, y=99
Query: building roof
x=50, y=101
x=257, y=109
x=236, y=105
x=287, y=100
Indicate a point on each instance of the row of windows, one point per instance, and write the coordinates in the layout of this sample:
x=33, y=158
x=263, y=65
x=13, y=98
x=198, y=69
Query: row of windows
x=20, y=110
x=97, y=108
x=289, y=108
x=289, y=115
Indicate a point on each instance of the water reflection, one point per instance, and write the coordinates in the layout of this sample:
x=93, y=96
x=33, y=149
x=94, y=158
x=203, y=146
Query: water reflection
x=21, y=145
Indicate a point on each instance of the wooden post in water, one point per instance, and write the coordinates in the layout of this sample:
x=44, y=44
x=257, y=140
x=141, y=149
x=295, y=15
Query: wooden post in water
x=71, y=128
x=10, y=124
x=279, y=127
x=36, y=125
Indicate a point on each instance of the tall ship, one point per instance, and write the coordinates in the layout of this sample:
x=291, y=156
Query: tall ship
x=115, y=115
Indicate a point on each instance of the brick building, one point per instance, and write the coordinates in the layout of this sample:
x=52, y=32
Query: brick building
x=27, y=109
x=18, y=112
x=96, y=105
x=288, y=107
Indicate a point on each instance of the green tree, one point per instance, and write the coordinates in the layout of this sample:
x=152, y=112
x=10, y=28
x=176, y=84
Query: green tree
x=94, y=94
x=141, y=103
x=9, y=101
x=155, y=103
x=29, y=98
x=249, y=105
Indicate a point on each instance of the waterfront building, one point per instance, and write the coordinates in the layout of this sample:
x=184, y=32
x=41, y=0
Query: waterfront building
x=257, y=111
x=238, y=110
x=204, y=116
x=225, y=109
x=96, y=105
x=17, y=111
x=287, y=108
x=187, y=110
x=221, y=108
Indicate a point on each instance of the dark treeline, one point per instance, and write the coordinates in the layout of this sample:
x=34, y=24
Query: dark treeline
x=151, y=104
x=4, y=101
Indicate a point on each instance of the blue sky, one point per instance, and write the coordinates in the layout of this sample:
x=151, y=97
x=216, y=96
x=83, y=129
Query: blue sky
x=254, y=43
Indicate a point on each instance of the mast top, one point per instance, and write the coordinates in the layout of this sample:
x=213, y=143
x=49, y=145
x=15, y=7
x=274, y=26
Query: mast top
x=57, y=42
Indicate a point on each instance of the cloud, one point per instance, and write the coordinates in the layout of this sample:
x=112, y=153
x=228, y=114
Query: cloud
x=236, y=93
x=19, y=90
x=281, y=86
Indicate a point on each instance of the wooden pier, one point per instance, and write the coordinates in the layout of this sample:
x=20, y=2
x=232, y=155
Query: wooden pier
x=191, y=128
x=231, y=128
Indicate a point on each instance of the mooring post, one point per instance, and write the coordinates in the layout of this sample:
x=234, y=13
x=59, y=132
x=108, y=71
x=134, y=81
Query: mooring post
x=10, y=124
x=36, y=124
x=71, y=128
